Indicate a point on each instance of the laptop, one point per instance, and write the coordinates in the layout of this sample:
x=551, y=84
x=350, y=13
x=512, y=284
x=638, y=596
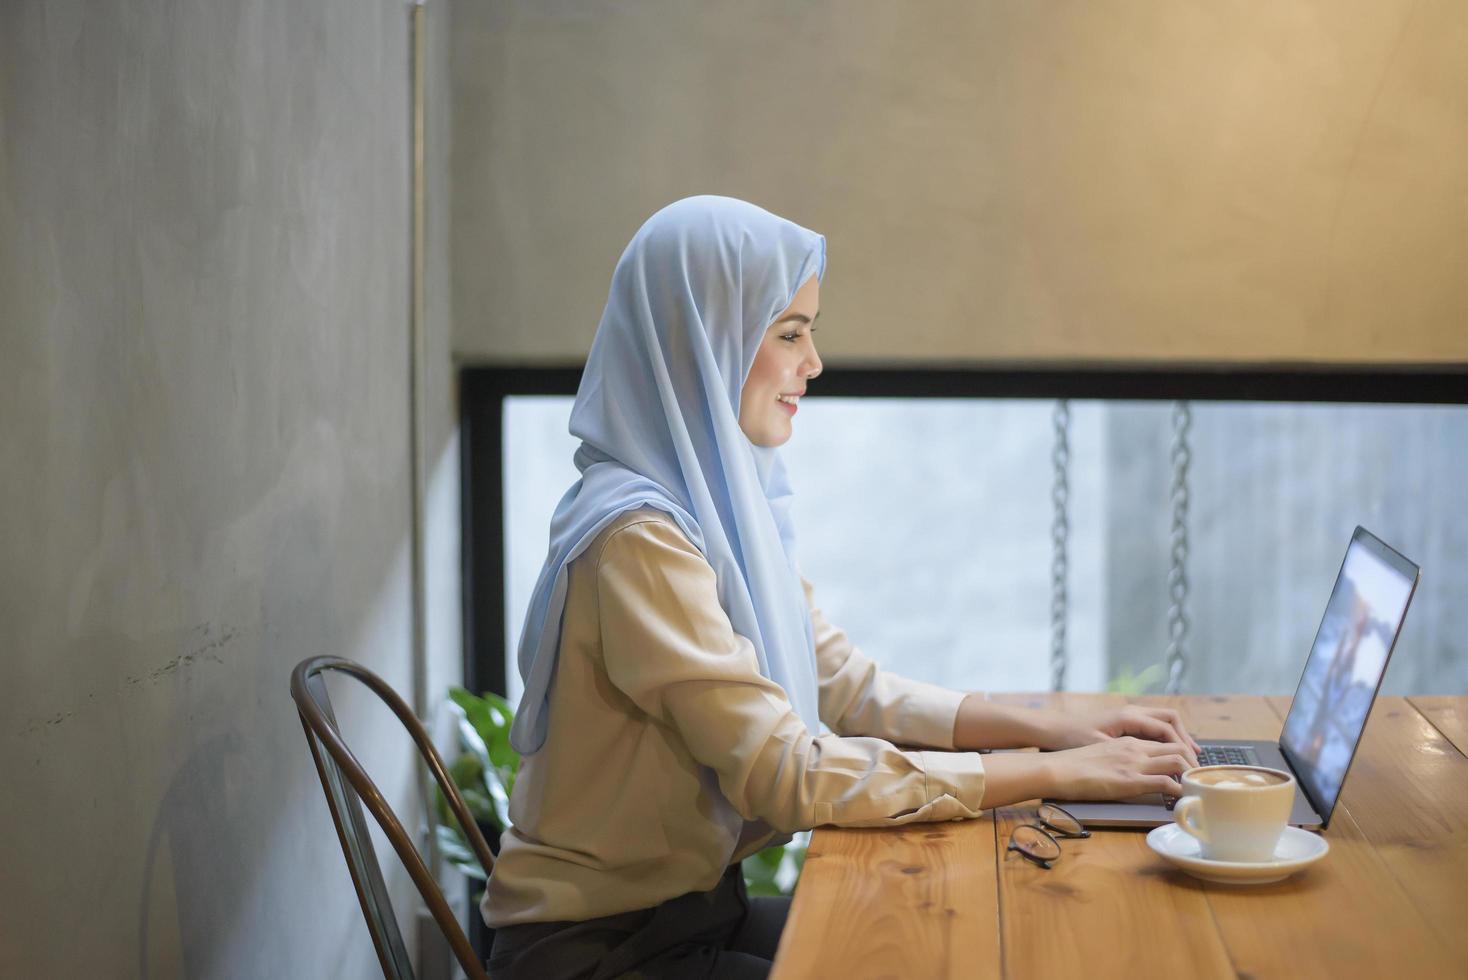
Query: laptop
x=1332, y=702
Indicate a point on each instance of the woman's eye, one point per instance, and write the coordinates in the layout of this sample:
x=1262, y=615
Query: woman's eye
x=791, y=337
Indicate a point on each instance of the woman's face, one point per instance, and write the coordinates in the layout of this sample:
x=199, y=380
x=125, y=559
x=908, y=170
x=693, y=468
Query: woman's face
x=785, y=361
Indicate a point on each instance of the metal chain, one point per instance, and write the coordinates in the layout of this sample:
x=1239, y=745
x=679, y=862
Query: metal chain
x=1059, y=535
x=1177, y=575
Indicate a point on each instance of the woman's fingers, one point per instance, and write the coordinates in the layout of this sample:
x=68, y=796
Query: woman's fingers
x=1169, y=728
x=1170, y=747
x=1164, y=772
x=1148, y=726
x=1175, y=720
x=1167, y=785
x=1171, y=764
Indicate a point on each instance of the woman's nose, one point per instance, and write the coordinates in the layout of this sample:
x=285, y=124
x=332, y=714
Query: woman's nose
x=812, y=363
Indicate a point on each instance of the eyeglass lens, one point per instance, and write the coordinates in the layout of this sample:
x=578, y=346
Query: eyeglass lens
x=1057, y=819
x=1035, y=842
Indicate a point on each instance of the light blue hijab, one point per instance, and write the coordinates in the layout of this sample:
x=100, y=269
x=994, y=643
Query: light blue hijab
x=657, y=414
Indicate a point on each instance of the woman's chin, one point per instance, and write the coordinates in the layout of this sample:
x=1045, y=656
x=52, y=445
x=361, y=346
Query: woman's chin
x=775, y=434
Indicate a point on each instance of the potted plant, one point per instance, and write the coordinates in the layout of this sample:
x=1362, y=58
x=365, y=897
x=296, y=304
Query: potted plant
x=484, y=771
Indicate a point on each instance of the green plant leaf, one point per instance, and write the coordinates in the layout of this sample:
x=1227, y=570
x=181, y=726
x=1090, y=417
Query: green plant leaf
x=497, y=791
x=491, y=718
x=501, y=752
x=472, y=713
x=467, y=771
x=454, y=848
x=758, y=889
x=500, y=712
x=775, y=870
x=481, y=806
x=484, y=734
x=770, y=857
x=1128, y=683
x=759, y=873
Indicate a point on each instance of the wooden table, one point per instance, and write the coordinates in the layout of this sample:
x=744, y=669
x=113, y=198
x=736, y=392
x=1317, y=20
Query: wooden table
x=947, y=900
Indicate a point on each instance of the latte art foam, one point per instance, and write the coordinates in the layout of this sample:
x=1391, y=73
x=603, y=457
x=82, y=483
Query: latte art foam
x=1241, y=778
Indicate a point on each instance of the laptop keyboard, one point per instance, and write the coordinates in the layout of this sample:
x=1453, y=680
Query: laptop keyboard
x=1224, y=755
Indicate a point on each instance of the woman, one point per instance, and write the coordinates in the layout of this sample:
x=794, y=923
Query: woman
x=676, y=669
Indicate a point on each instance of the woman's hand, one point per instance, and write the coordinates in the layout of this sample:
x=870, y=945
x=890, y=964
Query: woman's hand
x=1119, y=768
x=1072, y=731
x=1114, y=769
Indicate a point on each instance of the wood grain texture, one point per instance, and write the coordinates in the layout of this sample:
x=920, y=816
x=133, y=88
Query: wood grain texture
x=1385, y=901
x=1407, y=791
x=913, y=901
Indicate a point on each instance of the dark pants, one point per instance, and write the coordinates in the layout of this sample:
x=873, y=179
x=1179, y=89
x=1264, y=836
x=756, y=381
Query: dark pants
x=721, y=934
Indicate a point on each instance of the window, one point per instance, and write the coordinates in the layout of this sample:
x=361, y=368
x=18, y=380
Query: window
x=925, y=525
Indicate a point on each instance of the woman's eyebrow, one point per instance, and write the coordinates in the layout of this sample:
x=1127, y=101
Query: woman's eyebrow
x=801, y=317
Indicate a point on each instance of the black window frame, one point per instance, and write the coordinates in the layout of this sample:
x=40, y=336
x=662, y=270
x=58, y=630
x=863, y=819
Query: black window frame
x=483, y=389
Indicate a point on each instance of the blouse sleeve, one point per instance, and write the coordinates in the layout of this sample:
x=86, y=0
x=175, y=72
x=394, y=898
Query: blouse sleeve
x=859, y=698
x=669, y=647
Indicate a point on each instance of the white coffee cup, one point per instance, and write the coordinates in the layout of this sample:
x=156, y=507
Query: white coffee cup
x=1237, y=812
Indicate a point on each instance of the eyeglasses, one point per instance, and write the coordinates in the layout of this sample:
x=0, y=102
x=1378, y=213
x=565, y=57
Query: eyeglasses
x=1038, y=843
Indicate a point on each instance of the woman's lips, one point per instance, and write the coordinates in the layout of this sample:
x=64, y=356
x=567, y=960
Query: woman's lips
x=787, y=407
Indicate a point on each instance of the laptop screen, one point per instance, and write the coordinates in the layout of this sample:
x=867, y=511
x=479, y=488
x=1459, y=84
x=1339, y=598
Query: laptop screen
x=1346, y=665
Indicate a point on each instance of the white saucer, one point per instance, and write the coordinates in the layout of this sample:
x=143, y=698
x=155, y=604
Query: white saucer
x=1296, y=849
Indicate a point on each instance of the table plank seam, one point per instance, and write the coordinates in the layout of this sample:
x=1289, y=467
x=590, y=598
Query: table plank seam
x=1441, y=734
x=1218, y=929
x=999, y=898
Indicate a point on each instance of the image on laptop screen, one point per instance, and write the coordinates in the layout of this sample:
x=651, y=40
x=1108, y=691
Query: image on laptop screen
x=1345, y=667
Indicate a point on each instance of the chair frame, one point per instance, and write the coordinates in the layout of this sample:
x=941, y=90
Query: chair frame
x=345, y=799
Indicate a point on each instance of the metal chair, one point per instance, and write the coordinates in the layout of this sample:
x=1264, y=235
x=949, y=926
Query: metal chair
x=347, y=786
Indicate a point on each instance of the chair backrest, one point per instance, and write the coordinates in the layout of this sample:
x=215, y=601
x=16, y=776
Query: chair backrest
x=348, y=786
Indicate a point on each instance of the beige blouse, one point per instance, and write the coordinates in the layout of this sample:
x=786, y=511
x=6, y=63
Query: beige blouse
x=668, y=756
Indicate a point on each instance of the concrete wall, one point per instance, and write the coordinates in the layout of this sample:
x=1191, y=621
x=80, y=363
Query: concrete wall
x=997, y=179
x=204, y=474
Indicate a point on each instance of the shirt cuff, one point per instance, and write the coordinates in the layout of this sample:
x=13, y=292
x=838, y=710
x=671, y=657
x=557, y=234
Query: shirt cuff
x=928, y=713
x=956, y=774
